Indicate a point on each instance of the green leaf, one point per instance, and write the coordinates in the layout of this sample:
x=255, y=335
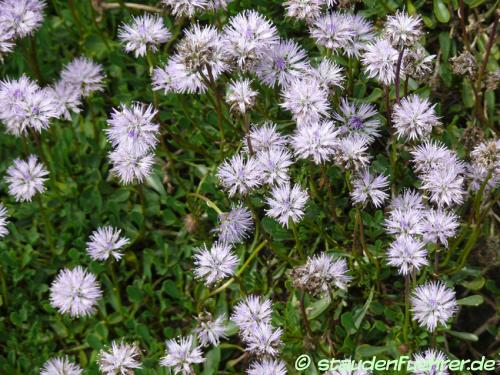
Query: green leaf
x=134, y=293
x=474, y=3
x=212, y=361
x=359, y=316
x=445, y=44
x=475, y=284
x=365, y=351
x=348, y=322
x=464, y=335
x=441, y=11
x=318, y=307
x=474, y=300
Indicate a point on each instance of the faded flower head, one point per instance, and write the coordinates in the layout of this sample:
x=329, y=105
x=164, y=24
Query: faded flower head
x=105, y=242
x=487, y=155
x=439, y=225
x=433, y=304
x=181, y=355
x=130, y=168
x=265, y=137
x=209, y=330
x=320, y=273
x=379, y=60
x=120, y=359
x=143, y=33
x=251, y=312
x=75, y=292
x=3, y=221
x=21, y=17
x=358, y=119
x=184, y=8
x=287, y=203
x=240, y=95
x=402, y=29
x=26, y=178
x=351, y=153
x=267, y=366
x=407, y=254
x=274, y=165
x=464, y=64
x=414, y=118
x=332, y=31
x=368, y=187
x=60, y=366
x=239, y=175
x=84, y=74
x=418, y=63
x=433, y=362
x=306, y=10
x=216, y=263
x=234, y=226
x=316, y=141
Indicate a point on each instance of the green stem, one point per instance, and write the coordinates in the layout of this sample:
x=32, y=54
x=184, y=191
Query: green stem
x=297, y=239
x=407, y=310
x=210, y=203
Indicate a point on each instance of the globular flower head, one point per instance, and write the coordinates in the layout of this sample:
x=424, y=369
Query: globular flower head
x=133, y=129
x=431, y=155
x=433, y=362
x=316, y=141
x=75, y=292
x=283, y=63
x=445, y=185
x=306, y=10
x=328, y=74
x=262, y=340
x=408, y=200
x=60, y=366
x=120, y=359
x=287, y=203
x=358, y=119
x=379, y=60
x=85, y=75
x=307, y=100
x=351, y=153
x=234, y=226
x=249, y=36
x=181, y=355
x=216, y=263
x=439, y=225
x=240, y=95
x=6, y=40
x=3, y=221
x=178, y=77
x=320, y=274
x=407, y=254
x=209, y=330
x=251, y=312
x=402, y=29
x=129, y=167
x=363, y=34
x=368, y=187
x=332, y=31
x=265, y=137
x=161, y=80
x=105, y=242
x=414, y=118
x=21, y=17
x=144, y=33
x=267, y=366
x=404, y=221
x=433, y=304
x=26, y=178
x=274, y=165
x=239, y=175
x=67, y=99
x=184, y=8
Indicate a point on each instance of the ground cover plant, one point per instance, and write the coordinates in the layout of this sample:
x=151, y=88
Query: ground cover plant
x=247, y=186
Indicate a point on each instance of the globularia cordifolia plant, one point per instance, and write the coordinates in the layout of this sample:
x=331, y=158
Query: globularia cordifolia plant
x=220, y=187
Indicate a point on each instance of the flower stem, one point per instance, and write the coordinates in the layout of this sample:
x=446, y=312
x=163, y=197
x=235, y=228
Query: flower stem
x=407, y=309
x=398, y=74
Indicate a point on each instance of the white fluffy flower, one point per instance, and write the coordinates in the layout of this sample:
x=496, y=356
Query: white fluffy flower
x=358, y=119
x=409, y=200
x=368, y=187
x=287, y=203
x=414, y=118
x=316, y=141
x=235, y=225
x=161, y=80
x=240, y=95
x=184, y=8
x=402, y=29
x=379, y=60
x=75, y=292
x=267, y=366
x=265, y=137
x=351, y=152
x=3, y=221
x=274, y=165
x=328, y=74
x=216, y=263
x=405, y=221
x=332, y=31
x=130, y=167
x=60, y=366
x=210, y=331
x=430, y=155
x=145, y=32
x=238, y=175
x=22, y=17
x=67, y=99
x=433, y=304
x=263, y=341
x=445, y=185
x=439, y=225
x=26, y=178
x=120, y=359
x=430, y=362
x=407, y=255
x=252, y=311
x=303, y=9
x=106, y=242
x=84, y=74
x=363, y=34
x=181, y=355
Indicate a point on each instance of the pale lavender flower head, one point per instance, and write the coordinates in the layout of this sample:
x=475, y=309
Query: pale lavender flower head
x=6, y=40
x=249, y=36
x=267, y=366
x=22, y=17
x=414, y=118
x=379, y=60
x=316, y=141
x=432, y=362
x=402, y=29
x=184, y=8
x=430, y=154
x=307, y=100
x=306, y=10
x=282, y=64
x=433, y=304
x=476, y=176
x=75, y=292
x=216, y=263
x=60, y=366
x=3, y=221
x=130, y=168
x=85, y=75
x=263, y=341
x=181, y=355
x=369, y=188
x=265, y=137
x=161, y=80
x=287, y=203
x=26, y=178
x=240, y=96
x=358, y=119
x=351, y=153
x=119, y=359
x=363, y=34
x=407, y=254
x=218, y=4
x=409, y=200
x=439, y=225
x=332, y=31
x=239, y=175
x=274, y=164
x=133, y=129
x=405, y=221
x=234, y=226
x=210, y=331
x=251, y=312
x=105, y=242
x=178, y=77
x=144, y=33
x=13, y=92
x=445, y=185
x=320, y=273
x=67, y=99
x=328, y=74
